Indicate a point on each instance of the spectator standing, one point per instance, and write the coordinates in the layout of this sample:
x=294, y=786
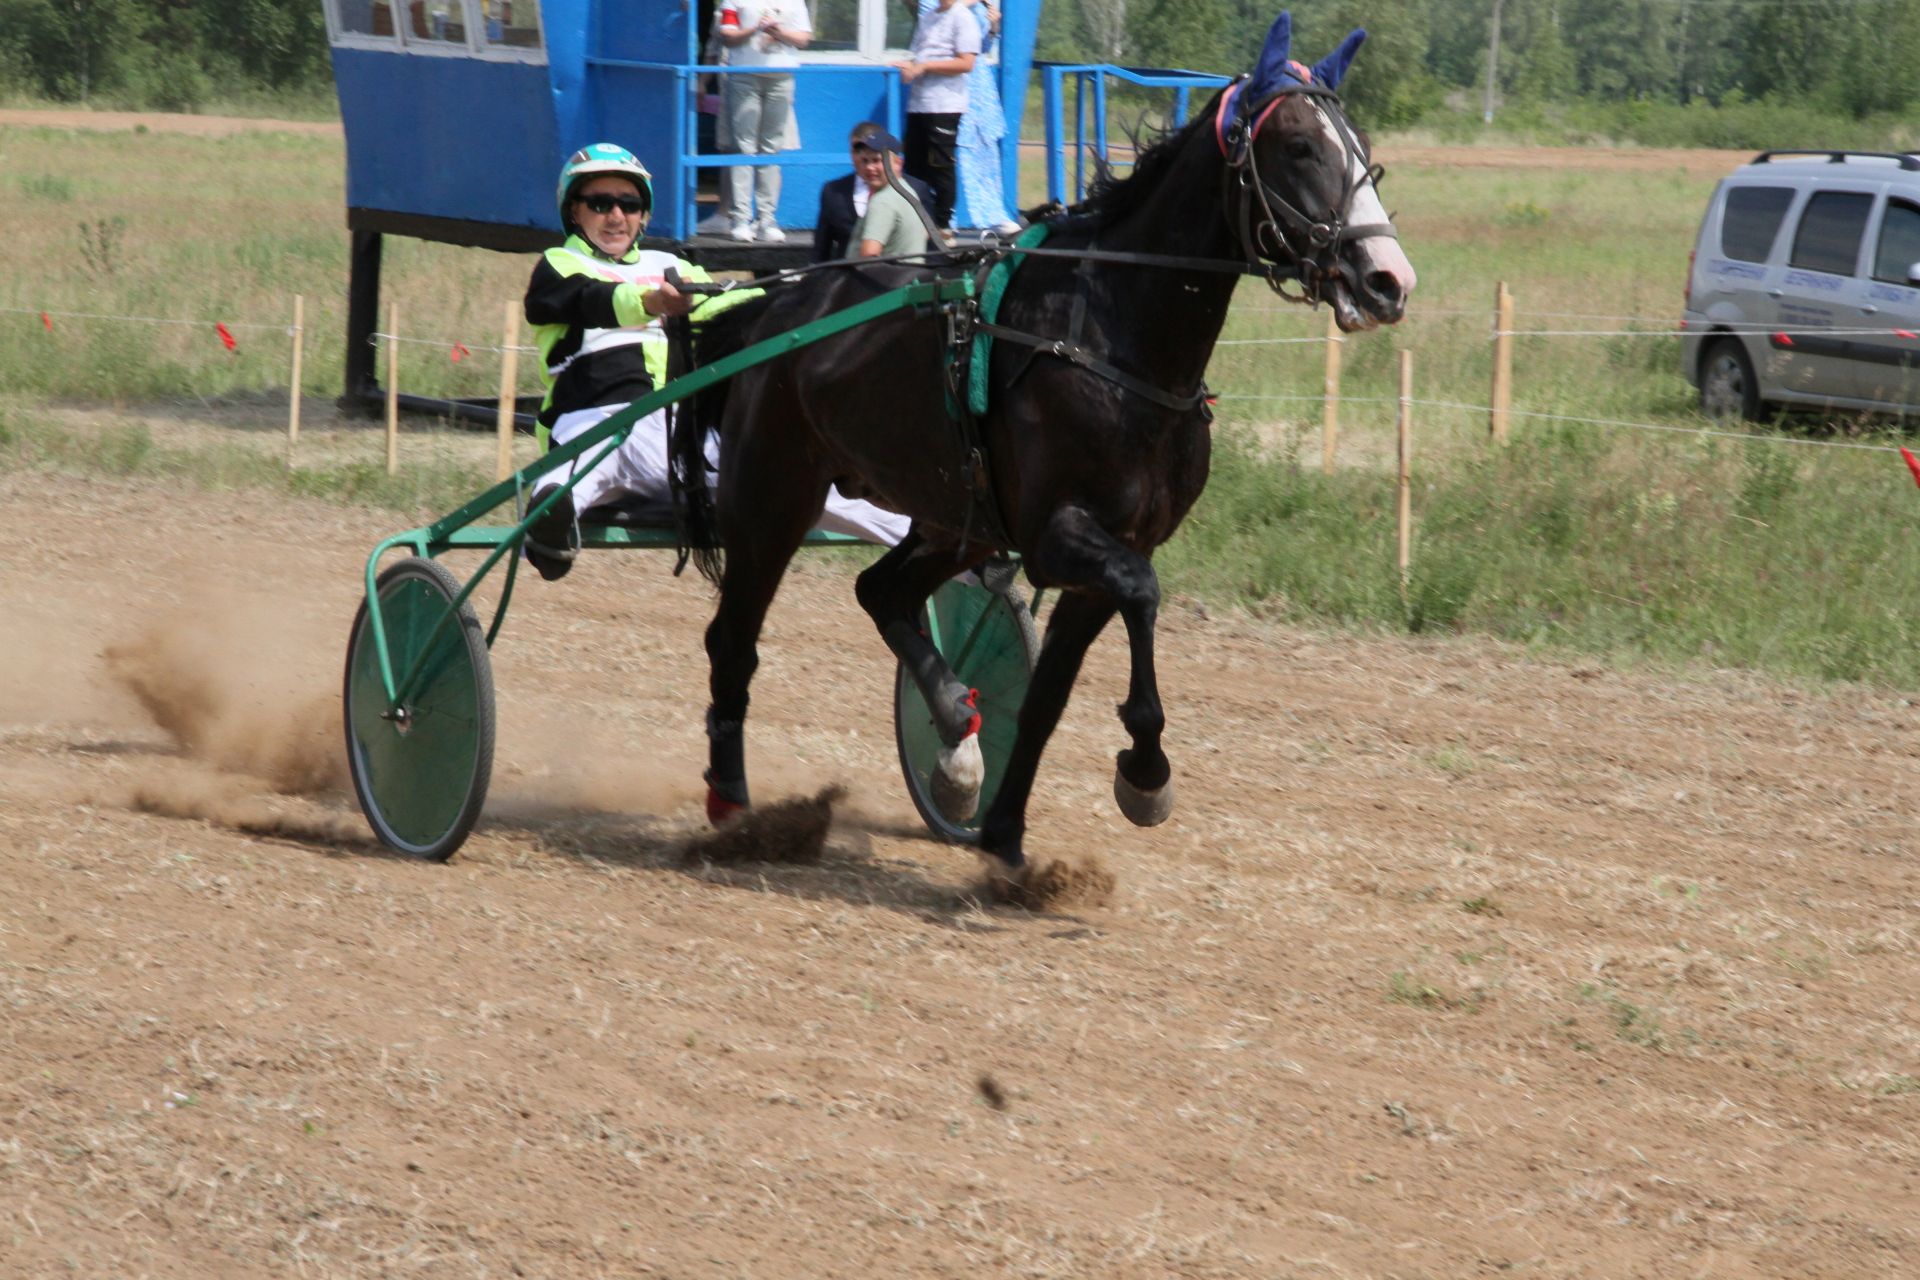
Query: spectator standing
x=946, y=44
x=982, y=127
x=759, y=34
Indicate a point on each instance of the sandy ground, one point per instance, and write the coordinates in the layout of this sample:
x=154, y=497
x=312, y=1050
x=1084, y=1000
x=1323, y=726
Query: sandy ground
x=1453, y=960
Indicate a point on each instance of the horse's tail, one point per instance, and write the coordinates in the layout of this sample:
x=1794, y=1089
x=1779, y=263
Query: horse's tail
x=696, y=517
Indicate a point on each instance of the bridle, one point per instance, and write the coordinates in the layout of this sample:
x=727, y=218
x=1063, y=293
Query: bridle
x=1271, y=228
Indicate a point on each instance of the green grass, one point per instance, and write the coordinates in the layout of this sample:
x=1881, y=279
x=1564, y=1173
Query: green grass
x=135, y=449
x=1629, y=545
x=1732, y=552
x=169, y=227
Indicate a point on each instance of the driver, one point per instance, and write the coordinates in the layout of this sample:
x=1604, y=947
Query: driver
x=596, y=304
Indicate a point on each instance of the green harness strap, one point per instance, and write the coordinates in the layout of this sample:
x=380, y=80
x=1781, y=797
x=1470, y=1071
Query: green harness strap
x=990, y=295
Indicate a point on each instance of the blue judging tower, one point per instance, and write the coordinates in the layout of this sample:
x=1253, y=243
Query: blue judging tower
x=459, y=112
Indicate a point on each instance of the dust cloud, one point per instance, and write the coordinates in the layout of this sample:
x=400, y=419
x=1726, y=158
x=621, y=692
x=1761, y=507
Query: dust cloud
x=233, y=690
x=186, y=790
x=1045, y=886
x=791, y=831
x=242, y=693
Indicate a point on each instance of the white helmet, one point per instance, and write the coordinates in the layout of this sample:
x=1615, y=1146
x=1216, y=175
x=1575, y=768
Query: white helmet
x=603, y=157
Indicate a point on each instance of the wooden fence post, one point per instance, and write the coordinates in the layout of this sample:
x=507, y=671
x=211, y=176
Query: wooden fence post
x=393, y=388
x=1330, y=411
x=509, y=381
x=293, y=395
x=1406, y=469
x=1502, y=364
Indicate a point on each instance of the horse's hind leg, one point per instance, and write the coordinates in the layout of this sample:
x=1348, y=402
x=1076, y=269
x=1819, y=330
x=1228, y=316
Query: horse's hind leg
x=892, y=591
x=732, y=656
x=758, y=550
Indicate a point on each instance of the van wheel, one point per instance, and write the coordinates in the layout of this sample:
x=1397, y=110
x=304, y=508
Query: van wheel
x=1727, y=386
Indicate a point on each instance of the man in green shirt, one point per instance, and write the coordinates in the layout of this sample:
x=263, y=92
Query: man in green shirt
x=886, y=224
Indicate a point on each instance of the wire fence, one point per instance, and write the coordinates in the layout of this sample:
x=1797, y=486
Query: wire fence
x=1330, y=400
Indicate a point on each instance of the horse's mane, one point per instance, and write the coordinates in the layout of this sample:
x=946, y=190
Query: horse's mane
x=1112, y=196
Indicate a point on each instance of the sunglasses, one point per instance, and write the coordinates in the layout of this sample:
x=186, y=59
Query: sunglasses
x=600, y=202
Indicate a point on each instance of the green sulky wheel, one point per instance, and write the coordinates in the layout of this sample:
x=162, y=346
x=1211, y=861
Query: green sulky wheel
x=421, y=775
x=988, y=639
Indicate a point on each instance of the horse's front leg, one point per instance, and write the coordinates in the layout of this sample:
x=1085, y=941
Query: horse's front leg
x=892, y=591
x=1142, y=775
x=1076, y=551
x=1072, y=626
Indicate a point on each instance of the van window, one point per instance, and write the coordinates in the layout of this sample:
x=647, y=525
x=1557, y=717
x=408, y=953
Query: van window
x=1751, y=218
x=1830, y=231
x=1899, y=246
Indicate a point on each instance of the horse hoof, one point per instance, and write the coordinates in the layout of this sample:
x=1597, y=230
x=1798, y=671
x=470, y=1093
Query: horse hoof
x=957, y=779
x=719, y=808
x=1143, y=808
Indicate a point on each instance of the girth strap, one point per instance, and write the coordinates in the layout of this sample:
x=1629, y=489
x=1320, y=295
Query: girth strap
x=1072, y=348
x=1073, y=353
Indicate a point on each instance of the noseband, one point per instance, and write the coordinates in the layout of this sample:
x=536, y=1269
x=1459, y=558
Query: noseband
x=1271, y=228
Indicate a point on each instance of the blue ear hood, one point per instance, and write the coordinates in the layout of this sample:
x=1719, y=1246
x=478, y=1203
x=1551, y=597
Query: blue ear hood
x=1275, y=71
x=1332, y=69
x=1272, y=71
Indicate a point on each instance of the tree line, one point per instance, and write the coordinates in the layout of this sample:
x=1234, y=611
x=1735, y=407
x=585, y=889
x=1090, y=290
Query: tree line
x=164, y=54
x=1637, y=60
x=1832, y=59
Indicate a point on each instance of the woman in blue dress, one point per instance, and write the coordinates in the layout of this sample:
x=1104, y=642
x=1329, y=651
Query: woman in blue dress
x=981, y=127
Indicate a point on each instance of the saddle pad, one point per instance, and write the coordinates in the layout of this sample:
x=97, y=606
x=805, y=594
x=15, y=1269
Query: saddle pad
x=990, y=295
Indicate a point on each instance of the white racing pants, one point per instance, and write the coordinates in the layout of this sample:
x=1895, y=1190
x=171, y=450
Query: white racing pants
x=639, y=467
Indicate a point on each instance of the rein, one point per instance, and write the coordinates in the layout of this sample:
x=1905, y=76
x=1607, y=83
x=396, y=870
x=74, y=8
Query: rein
x=1278, y=241
x=987, y=255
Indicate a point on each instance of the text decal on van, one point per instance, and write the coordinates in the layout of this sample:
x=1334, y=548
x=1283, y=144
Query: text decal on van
x=1742, y=270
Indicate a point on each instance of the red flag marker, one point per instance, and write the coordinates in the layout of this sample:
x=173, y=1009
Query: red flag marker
x=1905, y=333
x=1913, y=463
x=1782, y=339
x=459, y=352
x=225, y=337
x=47, y=320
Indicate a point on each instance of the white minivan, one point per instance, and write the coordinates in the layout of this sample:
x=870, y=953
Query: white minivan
x=1803, y=288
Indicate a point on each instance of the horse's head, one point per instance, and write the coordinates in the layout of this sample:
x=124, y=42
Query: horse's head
x=1302, y=186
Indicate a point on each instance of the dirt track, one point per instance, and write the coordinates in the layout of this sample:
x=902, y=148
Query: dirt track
x=1451, y=962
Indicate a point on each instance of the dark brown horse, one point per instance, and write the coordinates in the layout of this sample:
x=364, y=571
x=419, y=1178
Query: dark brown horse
x=1095, y=438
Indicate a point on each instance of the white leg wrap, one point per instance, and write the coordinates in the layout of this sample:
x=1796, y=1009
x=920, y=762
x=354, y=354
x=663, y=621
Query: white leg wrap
x=957, y=779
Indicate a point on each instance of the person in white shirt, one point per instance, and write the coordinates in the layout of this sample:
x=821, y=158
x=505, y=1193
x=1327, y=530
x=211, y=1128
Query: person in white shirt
x=946, y=41
x=759, y=33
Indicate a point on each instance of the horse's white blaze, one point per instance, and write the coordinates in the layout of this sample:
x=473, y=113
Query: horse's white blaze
x=1376, y=253
x=1379, y=253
